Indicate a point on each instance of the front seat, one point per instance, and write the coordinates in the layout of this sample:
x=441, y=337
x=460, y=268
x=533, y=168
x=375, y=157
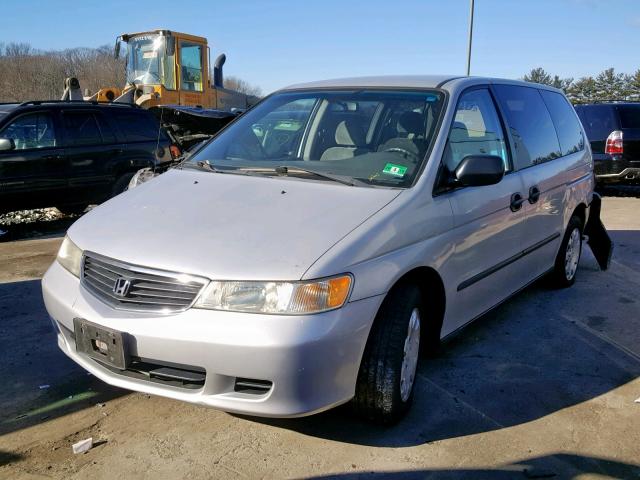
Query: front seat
x=410, y=135
x=350, y=140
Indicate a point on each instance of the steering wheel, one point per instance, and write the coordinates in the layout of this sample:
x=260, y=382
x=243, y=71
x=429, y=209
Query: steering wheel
x=402, y=151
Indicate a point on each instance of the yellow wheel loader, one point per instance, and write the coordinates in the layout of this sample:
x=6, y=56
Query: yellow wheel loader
x=169, y=72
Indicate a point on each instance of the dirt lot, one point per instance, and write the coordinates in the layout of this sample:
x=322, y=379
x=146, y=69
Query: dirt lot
x=543, y=386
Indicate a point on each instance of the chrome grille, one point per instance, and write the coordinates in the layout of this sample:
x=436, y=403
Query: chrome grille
x=142, y=288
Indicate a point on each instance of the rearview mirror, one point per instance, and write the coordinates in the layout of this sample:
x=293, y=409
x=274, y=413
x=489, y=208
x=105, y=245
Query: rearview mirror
x=6, y=144
x=479, y=170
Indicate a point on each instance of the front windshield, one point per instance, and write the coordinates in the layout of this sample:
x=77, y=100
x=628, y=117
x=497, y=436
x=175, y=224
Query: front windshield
x=148, y=62
x=373, y=137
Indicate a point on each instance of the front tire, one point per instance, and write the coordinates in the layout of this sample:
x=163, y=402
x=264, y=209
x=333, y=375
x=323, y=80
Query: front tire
x=384, y=388
x=121, y=184
x=566, y=265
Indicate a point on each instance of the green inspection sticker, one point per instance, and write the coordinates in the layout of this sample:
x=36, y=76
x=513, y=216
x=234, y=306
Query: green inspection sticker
x=395, y=170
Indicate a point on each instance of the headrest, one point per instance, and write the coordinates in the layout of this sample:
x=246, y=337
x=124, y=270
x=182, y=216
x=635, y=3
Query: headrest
x=410, y=122
x=350, y=133
x=459, y=131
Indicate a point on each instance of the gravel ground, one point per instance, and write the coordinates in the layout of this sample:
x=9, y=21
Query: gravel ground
x=36, y=223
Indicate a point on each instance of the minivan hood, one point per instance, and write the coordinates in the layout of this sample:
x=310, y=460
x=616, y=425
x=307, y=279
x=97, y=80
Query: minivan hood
x=225, y=226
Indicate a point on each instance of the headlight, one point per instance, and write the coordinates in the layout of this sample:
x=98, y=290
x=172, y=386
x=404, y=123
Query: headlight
x=141, y=176
x=70, y=256
x=286, y=298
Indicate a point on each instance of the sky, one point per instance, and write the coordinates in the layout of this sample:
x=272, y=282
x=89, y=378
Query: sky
x=274, y=43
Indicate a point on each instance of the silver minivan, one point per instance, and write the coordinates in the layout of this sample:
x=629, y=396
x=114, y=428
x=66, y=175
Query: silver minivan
x=309, y=253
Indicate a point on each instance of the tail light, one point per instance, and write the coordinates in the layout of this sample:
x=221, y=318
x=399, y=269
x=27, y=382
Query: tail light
x=175, y=151
x=614, y=143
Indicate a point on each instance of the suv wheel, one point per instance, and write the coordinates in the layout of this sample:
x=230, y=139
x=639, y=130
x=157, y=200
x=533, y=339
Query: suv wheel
x=121, y=183
x=72, y=209
x=384, y=389
x=566, y=266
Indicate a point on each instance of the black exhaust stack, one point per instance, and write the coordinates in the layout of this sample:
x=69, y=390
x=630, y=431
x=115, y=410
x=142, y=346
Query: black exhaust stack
x=218, y=79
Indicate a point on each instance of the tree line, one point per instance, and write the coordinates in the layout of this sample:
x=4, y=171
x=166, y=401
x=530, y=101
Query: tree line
x=30, y=74
x=607, y=85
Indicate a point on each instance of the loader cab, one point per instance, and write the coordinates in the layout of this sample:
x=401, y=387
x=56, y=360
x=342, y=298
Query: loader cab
x=168, y=67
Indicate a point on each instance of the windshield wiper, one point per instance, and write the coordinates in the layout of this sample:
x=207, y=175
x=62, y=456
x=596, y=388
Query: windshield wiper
x=206, y=165
x=352, y=182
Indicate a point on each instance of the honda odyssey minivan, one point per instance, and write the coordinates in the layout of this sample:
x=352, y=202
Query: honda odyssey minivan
x=316, y=247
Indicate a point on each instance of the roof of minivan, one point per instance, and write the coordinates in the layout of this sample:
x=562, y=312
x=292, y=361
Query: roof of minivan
x=410, y=81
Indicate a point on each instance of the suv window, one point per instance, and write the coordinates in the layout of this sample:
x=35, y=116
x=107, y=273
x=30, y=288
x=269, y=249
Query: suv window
x=33, y=130
x=565, y=121
x=476, y=130
x=137, y=127
x=82, y=128
x=629, y=116
x=530, y=124
x=108, y=136
x=598, y=121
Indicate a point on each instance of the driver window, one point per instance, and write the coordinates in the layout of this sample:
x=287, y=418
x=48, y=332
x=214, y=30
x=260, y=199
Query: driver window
x=31, y=131
x=191, y=66
x=476, y=130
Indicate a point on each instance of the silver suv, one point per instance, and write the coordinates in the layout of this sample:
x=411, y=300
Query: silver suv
x=309, y=253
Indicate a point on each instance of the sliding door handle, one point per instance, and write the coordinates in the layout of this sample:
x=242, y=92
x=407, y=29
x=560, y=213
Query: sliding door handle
x=516, y=202
x=534, y=194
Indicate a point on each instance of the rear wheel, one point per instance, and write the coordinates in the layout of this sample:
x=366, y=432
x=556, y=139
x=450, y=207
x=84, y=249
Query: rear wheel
x=72, y=209
x=566, y=265
x=384, y=389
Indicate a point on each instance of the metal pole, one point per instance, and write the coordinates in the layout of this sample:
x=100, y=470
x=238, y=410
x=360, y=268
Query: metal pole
x=470, y=37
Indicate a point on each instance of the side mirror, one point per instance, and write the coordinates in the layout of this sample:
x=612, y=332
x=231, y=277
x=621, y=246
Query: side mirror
x=116, y=49
x=479, y=170
x=7, y=144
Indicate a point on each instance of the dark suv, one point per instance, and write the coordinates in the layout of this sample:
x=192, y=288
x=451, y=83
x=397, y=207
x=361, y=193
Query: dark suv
x=613, y=128
x=72, y=154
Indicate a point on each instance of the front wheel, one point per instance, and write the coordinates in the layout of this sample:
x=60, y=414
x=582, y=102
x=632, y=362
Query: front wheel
x=384, y=388
x=121, y=184
x=566, y=265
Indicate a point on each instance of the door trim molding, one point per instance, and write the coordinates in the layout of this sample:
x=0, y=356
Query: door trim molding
x=489, y=271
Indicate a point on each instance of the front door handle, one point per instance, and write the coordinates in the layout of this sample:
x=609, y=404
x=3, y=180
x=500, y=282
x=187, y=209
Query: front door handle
x=534, y=194
x=48, y=158
x=516, y=201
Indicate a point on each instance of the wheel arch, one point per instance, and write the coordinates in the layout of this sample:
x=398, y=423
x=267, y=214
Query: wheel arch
x=432, y=290
x=581, y=212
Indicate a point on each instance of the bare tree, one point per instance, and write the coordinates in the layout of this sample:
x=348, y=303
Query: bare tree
x=242, y=86
x=29, y=74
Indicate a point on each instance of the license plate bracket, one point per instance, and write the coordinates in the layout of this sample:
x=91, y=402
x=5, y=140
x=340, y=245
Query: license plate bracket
x=101, y=343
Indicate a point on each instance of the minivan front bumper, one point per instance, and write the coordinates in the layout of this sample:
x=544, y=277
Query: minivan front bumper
x=311, y=361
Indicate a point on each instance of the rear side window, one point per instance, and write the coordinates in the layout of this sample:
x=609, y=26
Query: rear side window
x=136, y=127
x=565, y=121
x=598, y=121
x=530, y=124
x=82, y=128
x=629, y=116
